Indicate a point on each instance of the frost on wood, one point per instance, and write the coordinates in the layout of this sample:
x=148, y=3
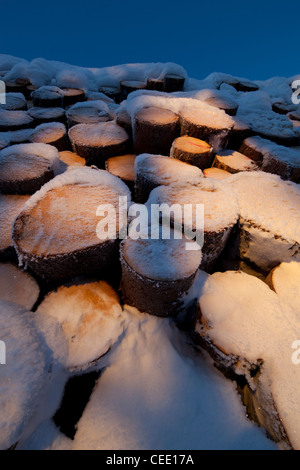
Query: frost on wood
x=234, y=162
x=14, y=120
x=156, y=170
x=90, y=315
x=273, y=158
x=98, y=142
x=26, y=167
x=220, y=212
x=90, y=112
x=158, y=273
x=56, y=233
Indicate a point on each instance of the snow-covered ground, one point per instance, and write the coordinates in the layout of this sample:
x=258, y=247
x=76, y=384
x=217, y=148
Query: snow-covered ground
x=156, y=393
x=156, y=390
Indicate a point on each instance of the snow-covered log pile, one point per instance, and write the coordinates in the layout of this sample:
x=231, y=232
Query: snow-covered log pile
x=98, y=282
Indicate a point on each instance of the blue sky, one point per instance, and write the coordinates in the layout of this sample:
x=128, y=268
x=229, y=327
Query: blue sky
x=252, y=39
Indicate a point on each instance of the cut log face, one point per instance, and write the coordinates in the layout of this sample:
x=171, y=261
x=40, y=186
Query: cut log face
x=213, y=128
x=249, y=331
x=267, y=239
x=91, y=112
x=10, y=207
x=90, y=315
x=234, y=162
x=251, y=148
x=72, y=96
x=173, y=83
x=216, y=173
x=14, y=120
x=24, y=376
x=156, y=274
x=45, y=115
x=56, y=233
x=17, y=286
x=15, y=102
x=122, y=167
x=273, y=158
x=154, y=131
x=156, y=170
x=68, y=160
x=48, y=97
x=285, y=281
x=54, y=133
x=220, y=213
x=25, y=168
x=193, y=151
x=155, y=84
x=98, y=142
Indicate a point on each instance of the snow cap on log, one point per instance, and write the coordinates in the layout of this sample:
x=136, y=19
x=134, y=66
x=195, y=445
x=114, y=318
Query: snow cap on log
x=247, y=328
x=155, y=170
x=98, y=142
x=269, y=218
x=90, y=315
x=24, y=168
x=56, y=232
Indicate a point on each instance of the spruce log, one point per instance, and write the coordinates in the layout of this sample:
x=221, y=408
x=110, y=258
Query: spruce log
x=98, y=142
x=122, y=167
x=56, y=234
x=46, y=115
x=173, y=83
x=211, y=129
x=154, y=130
x=25, y=168
x=155, y=84
x=220, y=213
x=54, y=133
x=72, y=96
x=156, y=170
x=47, y=97
x=193, y=151
x=234, y=162
x=153, y=280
